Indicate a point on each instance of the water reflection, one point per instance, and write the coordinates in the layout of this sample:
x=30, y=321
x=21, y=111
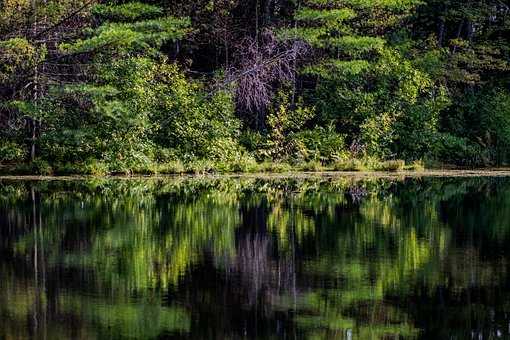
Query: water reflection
x=256, y=258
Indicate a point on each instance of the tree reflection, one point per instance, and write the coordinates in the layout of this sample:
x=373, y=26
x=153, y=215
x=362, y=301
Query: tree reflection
x=219, y=258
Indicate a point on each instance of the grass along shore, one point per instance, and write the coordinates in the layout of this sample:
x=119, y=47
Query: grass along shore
x=95, y=168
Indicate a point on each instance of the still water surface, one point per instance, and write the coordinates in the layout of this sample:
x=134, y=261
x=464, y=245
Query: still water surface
x=309, y=258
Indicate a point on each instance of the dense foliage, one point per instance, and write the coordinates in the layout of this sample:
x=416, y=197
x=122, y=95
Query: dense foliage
x=114, y=86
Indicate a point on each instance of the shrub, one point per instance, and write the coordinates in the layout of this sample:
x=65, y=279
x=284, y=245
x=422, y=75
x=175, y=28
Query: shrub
x=416, y=166
x=69, y=169
x=244, y=164
x=171, y=167
x=394, y=165
x=283, y=121
x=197, y=125
x=461, y=151
x=146, y=169
x=349, y=165
x=90, y=167
x=280, y=167
x=41, y=167
x=37, y=167
x=252, y=141
x=200, y=166
x=96, y=168
x=277, y=167
x=11, y=152
x=21, y=169
x=313, y=166
x=163, y=155
x=323, y=144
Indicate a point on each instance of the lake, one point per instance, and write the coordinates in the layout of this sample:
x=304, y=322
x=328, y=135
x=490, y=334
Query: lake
x=311, y=257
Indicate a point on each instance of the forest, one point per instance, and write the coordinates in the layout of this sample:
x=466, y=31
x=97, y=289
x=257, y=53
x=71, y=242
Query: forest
x=114, y=87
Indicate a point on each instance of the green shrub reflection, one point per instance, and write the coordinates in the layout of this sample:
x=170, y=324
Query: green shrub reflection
x=334, y=255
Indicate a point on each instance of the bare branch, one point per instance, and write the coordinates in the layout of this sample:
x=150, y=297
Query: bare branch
x=260, y=67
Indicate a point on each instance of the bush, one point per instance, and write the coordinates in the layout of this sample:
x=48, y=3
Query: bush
x=416, y=166
x=21, y=169
x=313, y=166
x=171, y=167
x=349, y=165
x=283, y=121
x=197, y=125
x=461, y=151
x=200, y=166
x=146, y=169
x=395, y=165
x=277, y=167
x=90, y=167
x=41, y=167
x=37, y=167
x=244, y=163
x=483, y=119
x=11, y=152
x=164, y=155
x=96, y=168
x=252, y=141
x=248, y=167
x=69, y=169
x=323, y=144
x=280, y=167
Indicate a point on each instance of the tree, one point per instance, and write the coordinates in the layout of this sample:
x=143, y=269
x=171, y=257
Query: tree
x=31, y=33
x=112, y=107
x=363, y=82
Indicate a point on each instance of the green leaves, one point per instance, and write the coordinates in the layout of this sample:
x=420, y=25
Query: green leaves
x=191, y=121
x=334, y=68
x=387, y=73
x=364, y=84
x=357, y=46
x=18, y=57
x=330, y=18
x=11, y=152
x=132, y=27
x=115, y=113
x=121, y=38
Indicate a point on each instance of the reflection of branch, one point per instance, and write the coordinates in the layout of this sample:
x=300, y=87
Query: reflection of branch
x=253, y=262
x=262, y=276
x=356, y=194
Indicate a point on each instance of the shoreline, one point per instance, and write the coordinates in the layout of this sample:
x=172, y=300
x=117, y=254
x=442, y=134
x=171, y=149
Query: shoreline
x=276, y=175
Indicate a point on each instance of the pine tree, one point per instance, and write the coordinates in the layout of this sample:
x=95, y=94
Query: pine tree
x=364, y=83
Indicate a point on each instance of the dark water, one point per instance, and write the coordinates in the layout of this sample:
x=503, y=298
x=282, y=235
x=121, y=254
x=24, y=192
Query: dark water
x=253, y=258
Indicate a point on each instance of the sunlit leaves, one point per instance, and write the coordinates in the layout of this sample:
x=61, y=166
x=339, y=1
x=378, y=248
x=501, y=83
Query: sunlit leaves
x=18, y=57
x=131, y=37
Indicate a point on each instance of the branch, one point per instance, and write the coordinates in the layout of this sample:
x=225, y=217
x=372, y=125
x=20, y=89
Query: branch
x=231, y=80
x=63, y=20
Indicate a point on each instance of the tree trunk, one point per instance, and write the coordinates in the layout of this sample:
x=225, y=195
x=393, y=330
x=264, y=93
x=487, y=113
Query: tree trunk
x=35, y=94
x=32, y=140
x=441, y=33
